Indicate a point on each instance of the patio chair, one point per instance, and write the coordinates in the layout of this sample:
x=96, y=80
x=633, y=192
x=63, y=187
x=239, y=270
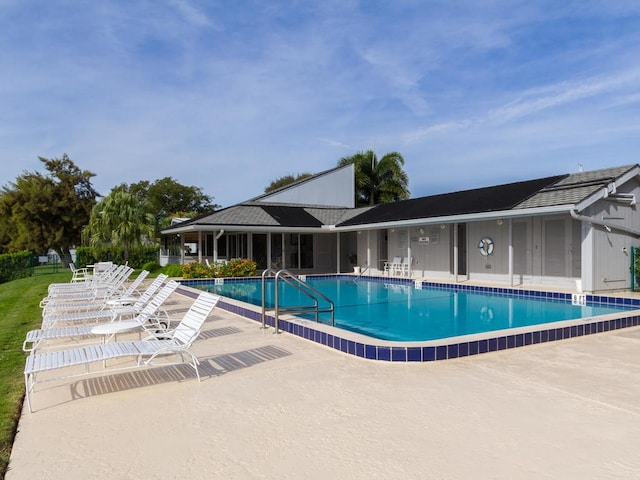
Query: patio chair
x=85, y=274
x=176, y=343
x=146, y=317
x=404, y=268
x=391, y=268
x=129, y=295
x=110, y=313
x=78, y=274
x=98, y=288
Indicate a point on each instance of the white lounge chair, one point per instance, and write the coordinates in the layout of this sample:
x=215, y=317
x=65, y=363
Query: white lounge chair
x=129, y=295
x=85, y=275
x=175, y=343
x=90, y=290
x=145, y=317
x=111, y=313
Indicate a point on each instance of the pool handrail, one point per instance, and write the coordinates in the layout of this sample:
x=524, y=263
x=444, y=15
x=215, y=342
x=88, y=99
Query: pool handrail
x=265, y=273
x=361, y=273
x=303, y=288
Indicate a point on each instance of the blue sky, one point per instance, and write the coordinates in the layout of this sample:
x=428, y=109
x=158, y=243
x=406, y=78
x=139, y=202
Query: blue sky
x=230, y=95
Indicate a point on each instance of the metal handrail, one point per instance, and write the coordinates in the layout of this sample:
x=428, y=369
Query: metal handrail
x=362, y=272
x=266, y=273
x=303, y=288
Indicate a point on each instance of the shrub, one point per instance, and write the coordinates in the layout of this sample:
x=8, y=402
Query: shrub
x=14, y=265
x=173, y=270
x=151, y=267
x=237, y=267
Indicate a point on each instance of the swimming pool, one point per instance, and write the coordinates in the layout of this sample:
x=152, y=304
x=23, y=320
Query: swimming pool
x=371, y=348
x=412, y=312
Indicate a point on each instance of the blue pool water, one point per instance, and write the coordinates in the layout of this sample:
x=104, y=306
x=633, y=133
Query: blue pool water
x=401, y=312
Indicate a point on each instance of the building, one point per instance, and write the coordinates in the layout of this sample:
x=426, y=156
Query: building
x=570, y=231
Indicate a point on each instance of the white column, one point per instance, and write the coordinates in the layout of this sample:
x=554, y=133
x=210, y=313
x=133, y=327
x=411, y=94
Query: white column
x=455, y=252
x=284, y=253
x=409, y=259
x=511, y=252
x=338, y=252
x=368, y=248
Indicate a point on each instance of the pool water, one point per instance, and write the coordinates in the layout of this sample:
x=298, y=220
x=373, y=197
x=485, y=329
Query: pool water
x=401, y=312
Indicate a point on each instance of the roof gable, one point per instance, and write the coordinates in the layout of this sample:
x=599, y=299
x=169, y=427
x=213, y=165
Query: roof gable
x=335, y=188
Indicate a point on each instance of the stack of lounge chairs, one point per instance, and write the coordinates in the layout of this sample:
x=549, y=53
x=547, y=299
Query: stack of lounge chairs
x=74, y=316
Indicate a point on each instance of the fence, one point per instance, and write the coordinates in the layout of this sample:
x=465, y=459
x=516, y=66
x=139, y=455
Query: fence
x=45, y=264
x=635, y=269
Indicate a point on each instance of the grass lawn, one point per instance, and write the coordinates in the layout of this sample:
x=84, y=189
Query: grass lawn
x=19, y=313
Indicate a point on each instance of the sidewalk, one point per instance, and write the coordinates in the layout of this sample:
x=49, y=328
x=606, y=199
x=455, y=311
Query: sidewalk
x=279, y=407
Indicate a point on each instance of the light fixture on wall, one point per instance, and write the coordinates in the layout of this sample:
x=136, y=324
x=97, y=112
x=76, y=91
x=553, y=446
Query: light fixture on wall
x=422, y=231
x=499, y=221
x=393, y=230
x=442, y=226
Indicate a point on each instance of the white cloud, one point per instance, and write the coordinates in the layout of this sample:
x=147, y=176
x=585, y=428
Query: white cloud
x=230, y=95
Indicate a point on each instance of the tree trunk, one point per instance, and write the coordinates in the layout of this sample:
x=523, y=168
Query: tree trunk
x=65, y=256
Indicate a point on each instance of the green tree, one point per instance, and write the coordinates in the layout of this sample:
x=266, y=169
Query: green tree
x=122, y=219
x=168, y=198
x=43, y=211
x=284, y=181
x=378, y=181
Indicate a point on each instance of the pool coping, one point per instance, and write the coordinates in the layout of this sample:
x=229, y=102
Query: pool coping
x=370, y=348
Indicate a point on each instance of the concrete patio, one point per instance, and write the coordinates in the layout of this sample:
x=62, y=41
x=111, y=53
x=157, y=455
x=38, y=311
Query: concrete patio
x=280, y=407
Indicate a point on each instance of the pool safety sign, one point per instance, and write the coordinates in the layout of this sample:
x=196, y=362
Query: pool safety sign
x=578, y=299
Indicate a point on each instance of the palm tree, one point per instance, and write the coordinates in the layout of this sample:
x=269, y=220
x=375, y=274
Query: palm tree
x=121, y=218
x=378, y=181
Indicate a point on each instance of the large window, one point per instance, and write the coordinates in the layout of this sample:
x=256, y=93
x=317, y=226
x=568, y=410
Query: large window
x=276, y=251
x=306, y=251
x=259, y=242
x=299, y=249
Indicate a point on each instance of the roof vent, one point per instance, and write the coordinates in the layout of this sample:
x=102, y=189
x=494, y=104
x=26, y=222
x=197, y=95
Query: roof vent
x=629, y=198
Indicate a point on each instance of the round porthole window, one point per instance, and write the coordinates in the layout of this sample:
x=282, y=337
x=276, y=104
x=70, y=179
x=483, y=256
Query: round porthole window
x=486, y=246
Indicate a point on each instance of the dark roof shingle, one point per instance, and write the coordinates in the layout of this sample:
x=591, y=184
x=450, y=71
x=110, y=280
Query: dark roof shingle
x=488, y=199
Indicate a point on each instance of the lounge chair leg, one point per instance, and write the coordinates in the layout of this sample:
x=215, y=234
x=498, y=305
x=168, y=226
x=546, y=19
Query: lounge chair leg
x=27, y=388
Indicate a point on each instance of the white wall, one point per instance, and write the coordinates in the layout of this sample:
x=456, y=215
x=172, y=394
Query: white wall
x=336, y=188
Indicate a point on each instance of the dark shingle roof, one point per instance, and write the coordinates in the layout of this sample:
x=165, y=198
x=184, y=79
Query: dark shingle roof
x=272, y=215
x=292, y=216
x=574, y=188
x=559, y=190
x=488, y=199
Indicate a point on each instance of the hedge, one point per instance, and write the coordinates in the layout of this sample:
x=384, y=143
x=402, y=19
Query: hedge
x=14, y=266
x=138, y=256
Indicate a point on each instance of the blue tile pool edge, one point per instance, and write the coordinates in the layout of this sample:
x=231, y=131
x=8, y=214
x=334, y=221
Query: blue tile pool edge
x=395, y=353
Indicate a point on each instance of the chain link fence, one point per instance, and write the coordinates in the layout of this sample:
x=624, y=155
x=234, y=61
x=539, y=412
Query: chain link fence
x=635, y=269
